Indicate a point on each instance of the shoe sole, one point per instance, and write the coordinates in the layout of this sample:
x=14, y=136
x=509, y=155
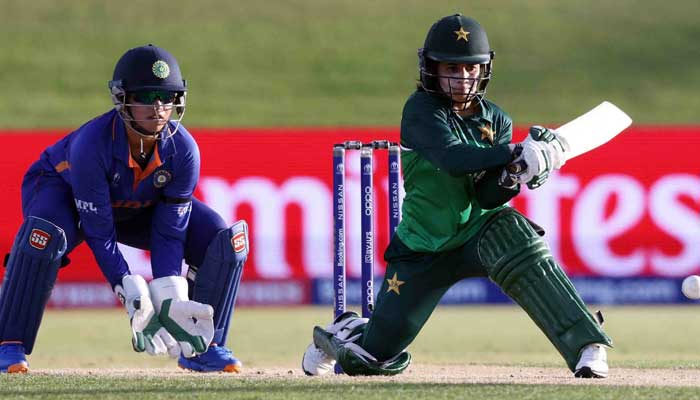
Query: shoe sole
x=587, y=372
x=231, y=368
x=19, y=368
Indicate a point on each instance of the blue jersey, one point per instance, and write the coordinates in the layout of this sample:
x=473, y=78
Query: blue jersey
x=110, y=187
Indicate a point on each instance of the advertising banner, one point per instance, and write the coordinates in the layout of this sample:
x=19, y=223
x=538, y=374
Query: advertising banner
x=628, y=210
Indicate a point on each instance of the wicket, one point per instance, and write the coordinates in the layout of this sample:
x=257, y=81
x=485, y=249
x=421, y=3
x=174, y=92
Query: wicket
x=367, y=212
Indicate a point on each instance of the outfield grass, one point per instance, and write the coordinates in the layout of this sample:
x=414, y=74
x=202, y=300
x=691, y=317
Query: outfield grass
x=94, y=340
x=71, y=387
x=658, y=337
x=317, y=62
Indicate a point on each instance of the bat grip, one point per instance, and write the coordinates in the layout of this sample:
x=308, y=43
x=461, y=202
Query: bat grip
x=516, y=167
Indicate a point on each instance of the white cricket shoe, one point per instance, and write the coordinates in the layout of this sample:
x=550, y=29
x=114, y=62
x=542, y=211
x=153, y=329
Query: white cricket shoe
x=316, y=362
x=593, y=362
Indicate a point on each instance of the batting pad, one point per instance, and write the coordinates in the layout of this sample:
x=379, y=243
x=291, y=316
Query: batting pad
x=518, y=260
x=217, y=279
x=29, y=278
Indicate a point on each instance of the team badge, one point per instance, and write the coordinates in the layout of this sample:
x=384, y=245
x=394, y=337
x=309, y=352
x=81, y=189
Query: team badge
x=487, y=133
x=161, y=178
x=161, y=69
x=462, y=34
x=238, y=242
x=394, y=284
x=39, y=239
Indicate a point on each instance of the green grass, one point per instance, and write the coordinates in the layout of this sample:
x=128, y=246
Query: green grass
x=646, y=337
x=318, y=62
x=70, y=387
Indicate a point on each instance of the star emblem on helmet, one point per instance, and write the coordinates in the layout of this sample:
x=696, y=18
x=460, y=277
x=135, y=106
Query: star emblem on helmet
x=160, y=69
x=462, y=34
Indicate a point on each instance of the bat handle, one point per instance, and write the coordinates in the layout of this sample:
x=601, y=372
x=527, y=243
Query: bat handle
x=516, y=167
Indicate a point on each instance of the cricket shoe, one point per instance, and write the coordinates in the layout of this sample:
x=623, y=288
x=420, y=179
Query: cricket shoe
x=12, y=358
x=593, y=362
x=316, y=362
x=215, y=359
x=345, y=327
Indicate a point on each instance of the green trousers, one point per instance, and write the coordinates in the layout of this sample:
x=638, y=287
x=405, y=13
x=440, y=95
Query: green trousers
x=413, y=285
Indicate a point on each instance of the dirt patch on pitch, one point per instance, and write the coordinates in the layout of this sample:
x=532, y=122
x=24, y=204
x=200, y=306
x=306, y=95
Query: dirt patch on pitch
x=443, y=374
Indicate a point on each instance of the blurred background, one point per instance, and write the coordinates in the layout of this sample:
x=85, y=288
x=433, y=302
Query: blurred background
x=273, y=84
x=347, y=63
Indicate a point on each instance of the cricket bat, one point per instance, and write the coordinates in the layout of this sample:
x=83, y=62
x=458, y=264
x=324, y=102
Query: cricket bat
x=592, y=129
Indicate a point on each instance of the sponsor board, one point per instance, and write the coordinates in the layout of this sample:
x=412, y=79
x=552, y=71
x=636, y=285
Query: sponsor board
x=594, y=290
x=625, y=210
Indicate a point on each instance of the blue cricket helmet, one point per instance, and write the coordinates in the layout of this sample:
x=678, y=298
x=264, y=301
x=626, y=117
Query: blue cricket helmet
x=148, y=68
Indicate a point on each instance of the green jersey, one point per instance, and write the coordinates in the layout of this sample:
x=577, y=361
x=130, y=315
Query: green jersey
x=450, y=167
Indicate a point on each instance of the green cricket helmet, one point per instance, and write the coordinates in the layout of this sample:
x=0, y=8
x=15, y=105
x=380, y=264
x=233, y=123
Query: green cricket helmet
x=460, y=40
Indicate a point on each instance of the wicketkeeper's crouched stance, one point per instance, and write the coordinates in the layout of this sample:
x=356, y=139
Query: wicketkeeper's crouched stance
x=456, y=224
x=128, y=176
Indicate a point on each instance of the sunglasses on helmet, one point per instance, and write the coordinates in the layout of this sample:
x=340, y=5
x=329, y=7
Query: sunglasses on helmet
x=150, y=96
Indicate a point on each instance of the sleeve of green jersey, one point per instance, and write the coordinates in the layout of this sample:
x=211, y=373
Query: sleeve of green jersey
x=489, y=193
x=425, y=129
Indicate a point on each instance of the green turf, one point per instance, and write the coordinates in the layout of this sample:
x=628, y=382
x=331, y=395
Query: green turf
x=646, y=337
x=70, y=387
x=447, y=338
x=319, y=62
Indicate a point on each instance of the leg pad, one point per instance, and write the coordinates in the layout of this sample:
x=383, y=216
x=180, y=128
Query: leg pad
x=216, y=280
x=519, y=261
x=29, y=278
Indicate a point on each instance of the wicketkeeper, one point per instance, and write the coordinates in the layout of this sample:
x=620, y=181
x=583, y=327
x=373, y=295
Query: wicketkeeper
x=459, y=171
x=128, y=176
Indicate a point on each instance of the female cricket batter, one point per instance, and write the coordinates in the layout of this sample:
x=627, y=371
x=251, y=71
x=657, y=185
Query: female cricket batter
x=456, y=224
x=128, y=176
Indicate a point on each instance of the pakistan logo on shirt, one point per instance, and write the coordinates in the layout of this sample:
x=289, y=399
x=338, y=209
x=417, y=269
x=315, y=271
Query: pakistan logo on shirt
x=487, y=133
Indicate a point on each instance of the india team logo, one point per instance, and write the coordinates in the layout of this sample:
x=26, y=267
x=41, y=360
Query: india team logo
x=161, y=69
x=39, y=239
x=238, y=242
x=161, y=178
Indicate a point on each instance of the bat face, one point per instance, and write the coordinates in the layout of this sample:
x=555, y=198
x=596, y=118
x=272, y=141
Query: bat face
x=593, y=129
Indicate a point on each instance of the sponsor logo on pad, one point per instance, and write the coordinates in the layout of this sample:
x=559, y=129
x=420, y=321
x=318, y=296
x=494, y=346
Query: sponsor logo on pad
x=238, y=242
x=39, y=239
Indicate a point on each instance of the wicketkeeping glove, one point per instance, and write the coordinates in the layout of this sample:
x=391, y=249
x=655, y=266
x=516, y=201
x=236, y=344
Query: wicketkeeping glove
x=189, y=322
x=147, y=334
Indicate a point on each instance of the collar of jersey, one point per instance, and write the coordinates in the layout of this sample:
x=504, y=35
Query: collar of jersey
x=120, y=148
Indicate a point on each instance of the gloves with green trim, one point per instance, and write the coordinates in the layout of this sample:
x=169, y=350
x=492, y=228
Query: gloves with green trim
x=189, y=322
x=147, y=334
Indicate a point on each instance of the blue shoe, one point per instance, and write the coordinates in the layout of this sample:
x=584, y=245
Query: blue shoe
x=12, y=358
x=215, y=359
